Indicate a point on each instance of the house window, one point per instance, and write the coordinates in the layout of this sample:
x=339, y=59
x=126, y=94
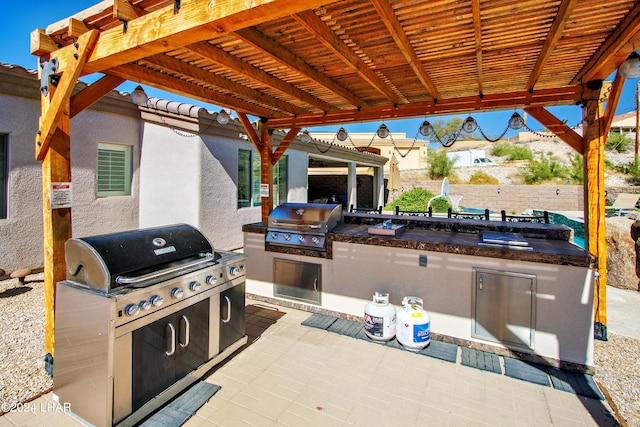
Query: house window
x=249, y=179
x=114, y=170
x=4, y=174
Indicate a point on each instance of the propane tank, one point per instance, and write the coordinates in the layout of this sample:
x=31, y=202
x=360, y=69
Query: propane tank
x=414, y=325
x=380, y=318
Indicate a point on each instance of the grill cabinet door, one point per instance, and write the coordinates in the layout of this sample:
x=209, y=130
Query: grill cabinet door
x=232, y=311
x=297, y=280
x=153, y=369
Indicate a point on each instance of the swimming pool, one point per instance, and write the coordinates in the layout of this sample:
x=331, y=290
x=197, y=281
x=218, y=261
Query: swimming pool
x=575, y=225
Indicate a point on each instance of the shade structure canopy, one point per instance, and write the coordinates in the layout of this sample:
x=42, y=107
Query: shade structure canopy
x=316, y=62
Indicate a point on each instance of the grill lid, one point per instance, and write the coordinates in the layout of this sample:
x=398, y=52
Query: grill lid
x=315, y=218
x=105, y=261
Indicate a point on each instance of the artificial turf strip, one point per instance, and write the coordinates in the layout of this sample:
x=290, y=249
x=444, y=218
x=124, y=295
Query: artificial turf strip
x=441, y=350
x=575, y=382
x=482, y=360
x=526, y=371
x=182, y=407
x=319, y=321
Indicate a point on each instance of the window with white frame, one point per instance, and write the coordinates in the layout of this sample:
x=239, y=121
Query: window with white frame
x=4, y=174
x=114, y=170
x=249, y=179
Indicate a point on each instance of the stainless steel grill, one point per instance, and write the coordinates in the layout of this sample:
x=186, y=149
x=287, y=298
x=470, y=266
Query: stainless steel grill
x=141, y=316
x=303, y=225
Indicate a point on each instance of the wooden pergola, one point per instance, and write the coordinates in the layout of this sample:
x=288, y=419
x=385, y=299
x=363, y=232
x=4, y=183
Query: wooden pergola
x=298, y=64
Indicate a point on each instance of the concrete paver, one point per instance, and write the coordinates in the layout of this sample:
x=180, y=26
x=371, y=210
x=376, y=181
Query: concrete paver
x=294, y=375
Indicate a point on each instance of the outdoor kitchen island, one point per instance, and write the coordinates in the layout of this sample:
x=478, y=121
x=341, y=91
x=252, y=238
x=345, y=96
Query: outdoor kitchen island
x=533, y=296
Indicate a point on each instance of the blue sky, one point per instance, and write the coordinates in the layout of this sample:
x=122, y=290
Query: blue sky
x=21, y=19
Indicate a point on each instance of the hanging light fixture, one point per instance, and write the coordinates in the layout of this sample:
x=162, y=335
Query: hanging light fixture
x=426, y=128
x=516, y=121
x=223, y=117
x=469, y=125
x=342, y=135
x=305, y=137
x=139, y=96
x=383, y=131
x=630, y=69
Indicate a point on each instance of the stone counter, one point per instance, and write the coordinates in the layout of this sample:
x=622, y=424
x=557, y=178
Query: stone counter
x=549, y=242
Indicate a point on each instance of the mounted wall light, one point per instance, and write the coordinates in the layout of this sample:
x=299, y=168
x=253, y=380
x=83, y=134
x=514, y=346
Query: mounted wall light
x=139, y=96
x=469, y=125
x=630, y=69
x=383, y=131
x=305, y=137
x=223, y=117
x=342, y=135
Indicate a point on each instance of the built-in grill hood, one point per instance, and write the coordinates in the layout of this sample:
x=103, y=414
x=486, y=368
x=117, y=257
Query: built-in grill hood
x=135, y=258
x=302, y=224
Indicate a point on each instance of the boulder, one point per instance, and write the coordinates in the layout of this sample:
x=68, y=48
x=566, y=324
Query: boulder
x=621, y=254
x=20, y=275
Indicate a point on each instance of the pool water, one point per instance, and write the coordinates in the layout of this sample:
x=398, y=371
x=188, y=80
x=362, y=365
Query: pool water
x=576, y=226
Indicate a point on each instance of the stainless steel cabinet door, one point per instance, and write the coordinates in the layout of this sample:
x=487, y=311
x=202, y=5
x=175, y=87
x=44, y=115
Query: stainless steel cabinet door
x=504, y=307
x=297, y=280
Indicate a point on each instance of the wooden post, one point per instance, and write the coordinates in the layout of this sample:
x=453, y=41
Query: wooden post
x=266, y=171
x=635, y=156
x=595, y=225
x=56, y=167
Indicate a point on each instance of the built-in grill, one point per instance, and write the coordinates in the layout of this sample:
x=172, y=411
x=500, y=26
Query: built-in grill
x=142, y=315
x=303, y=225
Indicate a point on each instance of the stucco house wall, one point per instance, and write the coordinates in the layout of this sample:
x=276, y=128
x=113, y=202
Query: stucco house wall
x=113, y=119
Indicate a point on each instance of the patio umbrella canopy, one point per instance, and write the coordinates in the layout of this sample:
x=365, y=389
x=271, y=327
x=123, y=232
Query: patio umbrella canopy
x=394, y=175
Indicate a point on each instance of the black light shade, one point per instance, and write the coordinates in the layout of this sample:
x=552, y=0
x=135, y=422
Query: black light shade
x=222, y=117
x=516, y=121
x=305, y=137
x=426, y=128
x=469, y=125
x=383, y=131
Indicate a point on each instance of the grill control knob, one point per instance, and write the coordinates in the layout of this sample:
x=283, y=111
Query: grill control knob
x=177, y=293
x=211, y=280
x=156, y=300
x=301, y=238
x=131, y=309
x=195, y=286
x=274, y=235
x=144, y=305
x=234, y=271
x=287, y=236
x=315, y=240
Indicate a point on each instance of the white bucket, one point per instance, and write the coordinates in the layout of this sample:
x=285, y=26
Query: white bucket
x=413, y=329
x=380, y=318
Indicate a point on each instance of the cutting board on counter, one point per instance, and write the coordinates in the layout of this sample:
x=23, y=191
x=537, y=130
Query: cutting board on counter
x=381, y=230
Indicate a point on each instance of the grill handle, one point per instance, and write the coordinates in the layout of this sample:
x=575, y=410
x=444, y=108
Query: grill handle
x=228, y=310
x=123, y=280
x=292, y=225
x=184, y=331
x=170, y=337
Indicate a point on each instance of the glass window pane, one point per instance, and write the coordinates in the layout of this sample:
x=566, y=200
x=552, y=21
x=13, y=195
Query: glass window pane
x=4, y=168
x=244, y=178
x=257, y=201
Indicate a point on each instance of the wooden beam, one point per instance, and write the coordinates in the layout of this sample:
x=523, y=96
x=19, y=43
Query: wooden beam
x=180, y=87
x=288, y=59
x=92, y=93
x=197, y=20
x=612, y=103
x=594, y=211
x=125, y=11
x=173, y=65
x=388, y=17
x=558, y=96
x=229, y=61
x=71, y=60
x=251, y=132
x=40, y=44
x=562, y=17
x=558, y=127
x=104, y=7
x=309, y=20
x=477, y=29
x=601, y=64
x=76, y=28
x=284, y=144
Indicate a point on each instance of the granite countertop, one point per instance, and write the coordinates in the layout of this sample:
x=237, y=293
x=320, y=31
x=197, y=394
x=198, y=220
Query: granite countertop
x=549, y=243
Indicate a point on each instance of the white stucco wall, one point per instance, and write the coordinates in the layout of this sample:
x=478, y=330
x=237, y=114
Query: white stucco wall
x=193, y=179
x=21, y=234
